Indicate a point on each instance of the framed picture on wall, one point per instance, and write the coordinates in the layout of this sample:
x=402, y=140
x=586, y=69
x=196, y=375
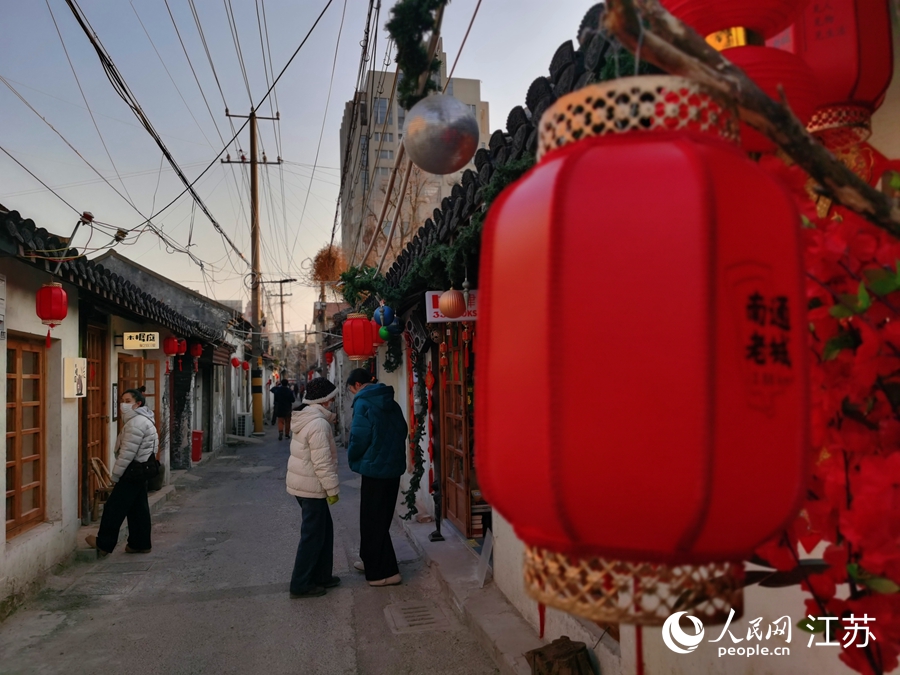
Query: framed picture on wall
x=74, y=377
x=115, y=401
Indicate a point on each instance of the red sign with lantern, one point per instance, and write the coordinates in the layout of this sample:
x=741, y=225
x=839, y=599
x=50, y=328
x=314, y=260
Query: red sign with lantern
x=694, y=413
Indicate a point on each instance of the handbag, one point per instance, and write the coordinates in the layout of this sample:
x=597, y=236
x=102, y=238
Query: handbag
x=141, y=471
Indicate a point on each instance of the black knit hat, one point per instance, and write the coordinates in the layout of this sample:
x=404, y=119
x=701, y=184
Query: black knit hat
x=319, y=390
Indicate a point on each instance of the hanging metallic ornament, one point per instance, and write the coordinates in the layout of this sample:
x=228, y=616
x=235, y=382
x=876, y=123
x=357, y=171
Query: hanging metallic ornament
x=440, y=134
x=452, y=304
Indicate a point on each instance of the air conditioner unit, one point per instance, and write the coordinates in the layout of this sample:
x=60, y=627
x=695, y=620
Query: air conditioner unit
x=245, y=424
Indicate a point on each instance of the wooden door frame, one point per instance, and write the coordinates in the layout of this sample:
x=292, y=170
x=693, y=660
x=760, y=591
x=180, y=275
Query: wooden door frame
x=452, y=336
x=84, y=474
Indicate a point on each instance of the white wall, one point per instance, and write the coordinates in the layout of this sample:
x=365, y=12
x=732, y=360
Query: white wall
x=27, y=557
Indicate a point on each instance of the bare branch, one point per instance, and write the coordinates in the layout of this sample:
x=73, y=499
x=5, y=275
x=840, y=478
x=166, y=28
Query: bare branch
x=676, y=48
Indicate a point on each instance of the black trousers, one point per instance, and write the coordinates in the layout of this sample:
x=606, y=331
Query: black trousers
x=315, y=552
x=127, y=500
x=378, y=499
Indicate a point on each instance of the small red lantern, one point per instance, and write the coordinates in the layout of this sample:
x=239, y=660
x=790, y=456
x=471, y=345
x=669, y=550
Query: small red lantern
x=52, y=306
x=730, y=354
x=452, y=304
x=170, y=348
x=245, y=365
x=235, y=362
x=329, y=358
x=196, y=353
x=359, y=338
x=847, y=44
x=182, y=350
x=377, y=340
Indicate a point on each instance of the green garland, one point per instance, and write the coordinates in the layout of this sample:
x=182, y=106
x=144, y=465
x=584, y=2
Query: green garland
x=394, y=357
x=415, y=442
x=412, y=19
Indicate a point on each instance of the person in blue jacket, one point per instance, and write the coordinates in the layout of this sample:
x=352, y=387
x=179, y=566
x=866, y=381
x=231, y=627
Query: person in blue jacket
x=377, y=450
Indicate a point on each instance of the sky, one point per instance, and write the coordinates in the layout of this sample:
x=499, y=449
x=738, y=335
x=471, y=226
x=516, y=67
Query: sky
x=511, y=43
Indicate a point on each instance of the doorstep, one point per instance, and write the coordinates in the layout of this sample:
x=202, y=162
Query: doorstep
x=502, y=631
x=84, y=553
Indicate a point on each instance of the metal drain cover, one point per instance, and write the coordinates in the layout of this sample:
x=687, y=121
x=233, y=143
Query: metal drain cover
x=415, y=617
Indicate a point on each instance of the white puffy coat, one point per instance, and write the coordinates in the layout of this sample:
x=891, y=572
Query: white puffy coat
x=137, y=441
x=312, y=467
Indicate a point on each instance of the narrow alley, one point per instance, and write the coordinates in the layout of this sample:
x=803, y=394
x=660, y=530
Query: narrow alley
x=212, y=596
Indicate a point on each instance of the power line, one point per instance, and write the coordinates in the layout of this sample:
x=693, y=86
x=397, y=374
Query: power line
x=322, y=130
x=125, y=93
x=232, y=24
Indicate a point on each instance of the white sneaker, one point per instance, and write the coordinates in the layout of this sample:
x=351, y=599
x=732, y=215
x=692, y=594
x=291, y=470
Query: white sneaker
x=359, y=565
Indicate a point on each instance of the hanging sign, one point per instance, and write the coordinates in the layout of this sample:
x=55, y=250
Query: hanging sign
x=434, y=314
x=141, y=341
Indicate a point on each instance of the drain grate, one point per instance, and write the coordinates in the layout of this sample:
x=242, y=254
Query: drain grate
x=415, y=617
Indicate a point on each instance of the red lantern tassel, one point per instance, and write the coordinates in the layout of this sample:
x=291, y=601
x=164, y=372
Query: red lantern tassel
x=167, y=366
x=47, y=343
x=542, y=616
x=639, y=649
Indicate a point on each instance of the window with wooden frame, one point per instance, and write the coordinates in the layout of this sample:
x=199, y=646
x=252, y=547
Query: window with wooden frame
x=25, y=431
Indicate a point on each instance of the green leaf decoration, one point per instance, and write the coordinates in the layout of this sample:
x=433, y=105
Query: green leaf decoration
x=864, y=300
x=882, y=282
x=841, y=312
x=834, y=346
x=895, y=180
x=806, y=223
x=882, y=585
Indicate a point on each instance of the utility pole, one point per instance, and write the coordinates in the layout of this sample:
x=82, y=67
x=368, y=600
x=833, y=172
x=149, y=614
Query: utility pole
x=282, y=295
x=256, y=385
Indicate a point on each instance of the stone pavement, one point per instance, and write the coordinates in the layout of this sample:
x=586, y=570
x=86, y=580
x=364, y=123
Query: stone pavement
x=212, y=597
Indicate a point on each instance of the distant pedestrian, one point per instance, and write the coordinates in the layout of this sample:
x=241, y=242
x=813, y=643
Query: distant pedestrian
x=312, y=478
x=134, y=446
x=377, y=450
x=284, y=402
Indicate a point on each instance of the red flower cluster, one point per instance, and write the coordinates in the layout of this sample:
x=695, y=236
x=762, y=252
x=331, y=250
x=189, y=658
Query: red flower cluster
x=853, y=500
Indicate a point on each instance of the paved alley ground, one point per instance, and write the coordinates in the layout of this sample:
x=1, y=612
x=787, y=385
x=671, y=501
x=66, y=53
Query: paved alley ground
x=212, y=597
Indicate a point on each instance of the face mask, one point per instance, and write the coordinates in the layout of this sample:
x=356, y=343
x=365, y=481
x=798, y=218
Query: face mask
x=126, y=408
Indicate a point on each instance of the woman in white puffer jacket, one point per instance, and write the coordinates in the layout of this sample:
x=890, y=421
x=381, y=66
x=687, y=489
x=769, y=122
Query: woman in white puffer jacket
x=136, y=443
x=312, y=478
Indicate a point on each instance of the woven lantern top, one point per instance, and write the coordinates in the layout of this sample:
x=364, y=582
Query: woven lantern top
x=643, y=103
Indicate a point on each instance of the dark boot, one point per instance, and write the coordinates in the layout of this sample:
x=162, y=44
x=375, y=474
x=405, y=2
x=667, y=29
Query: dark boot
x=280, y=435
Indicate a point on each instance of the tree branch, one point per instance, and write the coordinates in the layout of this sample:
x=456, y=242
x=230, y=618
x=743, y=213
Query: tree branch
x=676, y=48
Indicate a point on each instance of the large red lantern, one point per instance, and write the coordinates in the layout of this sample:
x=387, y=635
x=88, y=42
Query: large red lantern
x=359, y=337
x=847, y=44
x=52, y=306
x=235, y=362
x=170, y=348
x=697, y=335
x=738, y=28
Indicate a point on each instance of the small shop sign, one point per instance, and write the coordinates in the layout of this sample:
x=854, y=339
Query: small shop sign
x=141, y=341
x=434, y=314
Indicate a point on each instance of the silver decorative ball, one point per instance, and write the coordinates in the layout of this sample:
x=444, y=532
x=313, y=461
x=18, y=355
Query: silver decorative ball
x=440, y=134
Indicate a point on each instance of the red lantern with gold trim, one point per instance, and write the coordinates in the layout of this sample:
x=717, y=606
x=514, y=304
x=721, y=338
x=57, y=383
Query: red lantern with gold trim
x=728, y=357
x=763, y=17
x=847, y=44
x=52, y=306
x=359, y=337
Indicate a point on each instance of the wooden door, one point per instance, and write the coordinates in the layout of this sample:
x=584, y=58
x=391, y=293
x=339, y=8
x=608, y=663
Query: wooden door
x=455, y=426
x=95, y=406
x=136, y=372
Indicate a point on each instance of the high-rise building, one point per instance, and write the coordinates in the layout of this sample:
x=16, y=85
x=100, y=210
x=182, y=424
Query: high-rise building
x=373, y=128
